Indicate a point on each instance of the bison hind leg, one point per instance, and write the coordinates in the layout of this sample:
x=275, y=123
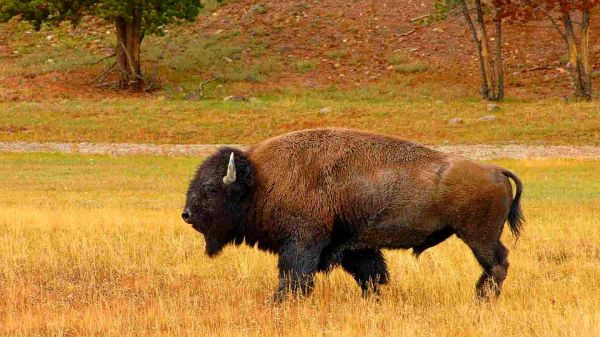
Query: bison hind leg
x=368, y=268
x=331, y=257
x=432, y=240
x=494, y=260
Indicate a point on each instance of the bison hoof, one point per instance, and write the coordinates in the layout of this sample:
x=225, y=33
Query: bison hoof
x=488, y=292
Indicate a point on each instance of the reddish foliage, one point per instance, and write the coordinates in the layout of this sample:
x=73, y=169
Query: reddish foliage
x=526, y=10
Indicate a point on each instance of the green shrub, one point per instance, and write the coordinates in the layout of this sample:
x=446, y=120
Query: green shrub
x=411, y=68
x=305, y=66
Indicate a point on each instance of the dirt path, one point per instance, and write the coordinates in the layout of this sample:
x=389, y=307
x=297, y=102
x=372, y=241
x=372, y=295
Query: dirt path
x=473, y=151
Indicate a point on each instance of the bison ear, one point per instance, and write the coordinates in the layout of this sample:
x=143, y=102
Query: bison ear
x=231, y=175
x=247, y=173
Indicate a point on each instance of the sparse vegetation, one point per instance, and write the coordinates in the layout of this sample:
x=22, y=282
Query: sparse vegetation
x=402, y=64
x=337, y=54
x=304, y=66
x=50, y=49
x=411, y=68
x=219, y=56
x=399, y=58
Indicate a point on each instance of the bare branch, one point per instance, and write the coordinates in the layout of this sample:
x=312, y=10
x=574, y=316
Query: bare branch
x=549, y=16
x=104, y=58
x=536, y=69
x=555, y=25
x=420, y=17
x=407, y=33
x=102, y=76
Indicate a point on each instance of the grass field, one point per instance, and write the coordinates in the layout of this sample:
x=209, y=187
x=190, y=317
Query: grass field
x=94, y=246
x=417, y=113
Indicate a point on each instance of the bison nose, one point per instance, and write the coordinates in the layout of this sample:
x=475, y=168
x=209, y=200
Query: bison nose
x=186, y=216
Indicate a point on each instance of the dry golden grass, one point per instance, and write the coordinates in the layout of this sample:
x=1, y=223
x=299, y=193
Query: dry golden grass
x=93, y=246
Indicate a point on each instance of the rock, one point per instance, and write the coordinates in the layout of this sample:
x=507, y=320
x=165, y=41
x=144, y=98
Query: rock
x=491, y=107
x=455, y=121
x=258, y=9
x=236, y=99
x=488, y=118
x=179, y=89
x=324, y=110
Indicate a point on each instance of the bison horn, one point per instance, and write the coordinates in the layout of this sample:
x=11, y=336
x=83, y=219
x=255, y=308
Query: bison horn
x=230, y=177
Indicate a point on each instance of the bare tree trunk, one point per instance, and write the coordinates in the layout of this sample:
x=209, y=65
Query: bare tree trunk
x=586, y=69
x=492, y=72
x=485, y=51
x=129, y=40
x=574, y=56
x=499, y=59
x=485, y=89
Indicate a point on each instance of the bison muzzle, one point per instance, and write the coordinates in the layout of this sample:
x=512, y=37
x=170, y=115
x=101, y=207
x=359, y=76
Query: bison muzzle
x=327, y=197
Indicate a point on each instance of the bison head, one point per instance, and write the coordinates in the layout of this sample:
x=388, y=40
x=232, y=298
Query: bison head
x=215, y=198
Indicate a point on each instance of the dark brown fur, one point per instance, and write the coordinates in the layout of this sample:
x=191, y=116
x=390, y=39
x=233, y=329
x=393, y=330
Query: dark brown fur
x=326, y=197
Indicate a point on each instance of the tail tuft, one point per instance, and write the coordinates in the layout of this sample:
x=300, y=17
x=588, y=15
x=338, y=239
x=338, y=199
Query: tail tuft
x=515, y=215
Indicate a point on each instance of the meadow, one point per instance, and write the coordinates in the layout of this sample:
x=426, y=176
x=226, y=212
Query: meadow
x=94, y=246
x=420, y=113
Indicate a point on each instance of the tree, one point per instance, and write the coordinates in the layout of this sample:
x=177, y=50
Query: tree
x=133, y=19
x=490, y=67
x=564, y=11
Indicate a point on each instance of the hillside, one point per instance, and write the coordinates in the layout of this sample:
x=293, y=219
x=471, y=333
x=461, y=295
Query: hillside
x=359, y=41
x=285, y=44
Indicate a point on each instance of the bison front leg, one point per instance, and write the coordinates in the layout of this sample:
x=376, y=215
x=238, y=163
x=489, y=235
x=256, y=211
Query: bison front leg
x=297, y=267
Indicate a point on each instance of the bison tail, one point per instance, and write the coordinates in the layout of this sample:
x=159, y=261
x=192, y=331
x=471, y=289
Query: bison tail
x=515, y=215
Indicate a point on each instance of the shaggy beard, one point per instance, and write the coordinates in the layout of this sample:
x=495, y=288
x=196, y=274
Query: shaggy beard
x=213, y=247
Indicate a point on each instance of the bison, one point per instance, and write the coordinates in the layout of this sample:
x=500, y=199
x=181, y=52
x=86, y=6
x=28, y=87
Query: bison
x=327, y=197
